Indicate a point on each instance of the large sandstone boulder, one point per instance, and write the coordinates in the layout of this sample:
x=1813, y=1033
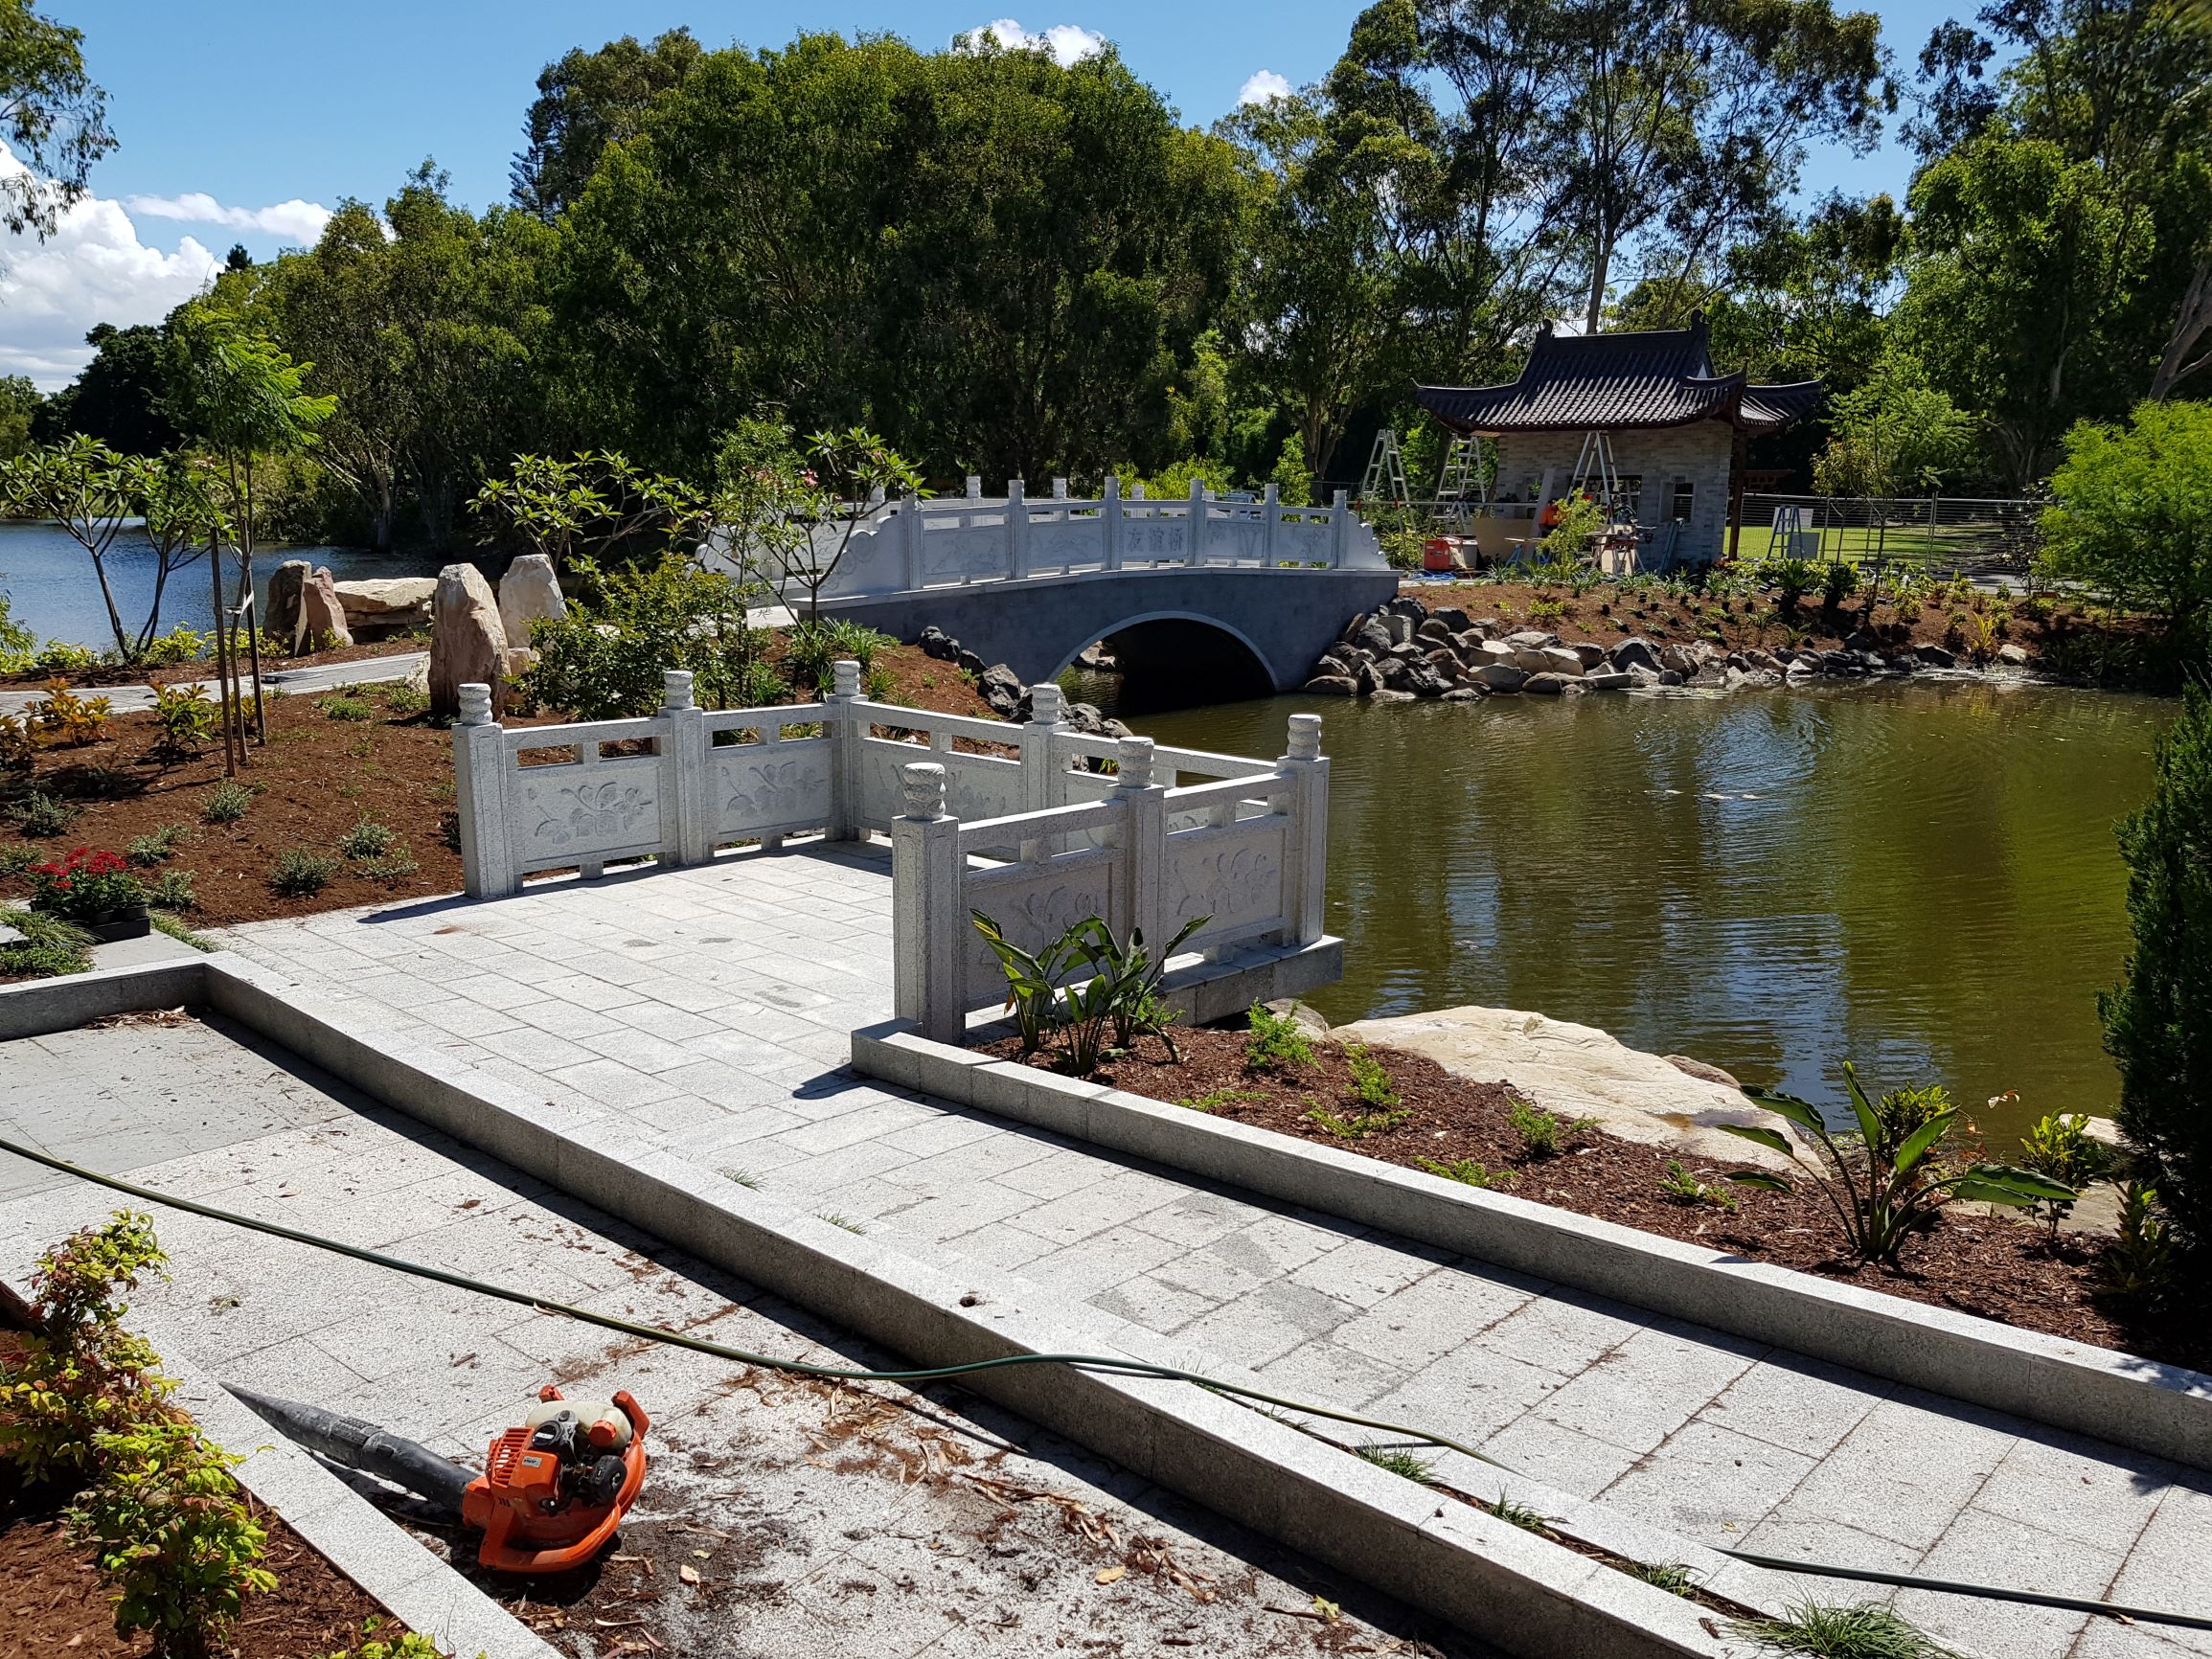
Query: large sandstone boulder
x=467, y=642
x=1579, y=1072
x=384, y=605
x=321, y=623
x=529, y=591
x=282, y=613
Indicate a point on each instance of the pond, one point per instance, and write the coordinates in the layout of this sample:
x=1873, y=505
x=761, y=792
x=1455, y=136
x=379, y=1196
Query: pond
x=51, y=588
x=1921, y=878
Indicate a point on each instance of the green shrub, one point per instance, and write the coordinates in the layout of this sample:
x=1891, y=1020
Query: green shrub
x=61, y=657
x=81, y=1374
x=387, y=868
x=50, y=945
x=1278, y=1042
x=1542, y=1132
x=301, y=872
x=367, y=839
x=186, y=716
x=2060, y=1145
x=1369, y=1081
x=172, y=890
x=1677, y=1186
x=226, y=803
x=406, y=699
x=2138, y=1264
x=180, y=645
x=671, y=614
x=156, y=847
x=1838, y=582
x=17, y=856
x=172, y=1535
x=42, y=815
x=1472, y=1172
x=342, y=706
x=2131, y=516
x=1358, y=1125
x=2158, y=1018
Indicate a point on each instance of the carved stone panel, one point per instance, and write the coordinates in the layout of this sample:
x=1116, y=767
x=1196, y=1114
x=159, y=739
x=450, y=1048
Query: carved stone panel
x=581, y=814
x=1033, y=905
x=767, y=787
x=1233, y=874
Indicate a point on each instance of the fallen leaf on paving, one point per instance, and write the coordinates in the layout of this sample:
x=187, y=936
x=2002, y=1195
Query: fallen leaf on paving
x=688, y=1573
x=1109, y=1575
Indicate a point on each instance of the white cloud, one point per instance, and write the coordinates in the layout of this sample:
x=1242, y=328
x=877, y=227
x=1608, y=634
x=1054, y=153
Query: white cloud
x=94, y=269
x=1069, y=43
x=295, y=221
x=1263, y=87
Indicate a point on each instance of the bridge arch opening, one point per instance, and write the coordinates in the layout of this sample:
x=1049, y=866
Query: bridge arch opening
x=1149, y=664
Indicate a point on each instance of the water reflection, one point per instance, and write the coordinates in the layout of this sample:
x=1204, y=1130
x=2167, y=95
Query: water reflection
x=1922, y=877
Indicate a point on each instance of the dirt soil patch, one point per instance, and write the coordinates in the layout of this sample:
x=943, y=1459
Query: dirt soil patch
x=1995, y=1267
x=318, y=777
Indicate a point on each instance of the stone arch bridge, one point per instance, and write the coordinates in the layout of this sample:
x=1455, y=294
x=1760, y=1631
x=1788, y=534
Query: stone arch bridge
x=1245, y=589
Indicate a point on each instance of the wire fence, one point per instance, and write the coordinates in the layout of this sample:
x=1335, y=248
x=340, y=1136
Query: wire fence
x=1941, y=534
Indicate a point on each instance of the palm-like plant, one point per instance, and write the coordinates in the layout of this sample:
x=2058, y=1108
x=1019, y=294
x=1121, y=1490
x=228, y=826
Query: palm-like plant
x=1890, y=1176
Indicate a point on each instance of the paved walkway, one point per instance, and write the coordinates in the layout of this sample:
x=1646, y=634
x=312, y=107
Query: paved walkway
x=821, y=1521
x=711, y=1008
x=295, y=682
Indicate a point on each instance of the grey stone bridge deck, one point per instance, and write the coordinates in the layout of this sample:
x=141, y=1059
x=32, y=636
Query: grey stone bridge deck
x=711, y=1007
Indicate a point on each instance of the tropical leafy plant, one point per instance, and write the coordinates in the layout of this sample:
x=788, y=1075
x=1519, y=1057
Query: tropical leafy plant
x=1085, y=986
x=62, y=716
x=186, y=716
x=1891, y=1176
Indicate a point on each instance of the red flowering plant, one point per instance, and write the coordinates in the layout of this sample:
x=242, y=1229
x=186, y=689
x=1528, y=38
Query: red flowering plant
x=86, y=884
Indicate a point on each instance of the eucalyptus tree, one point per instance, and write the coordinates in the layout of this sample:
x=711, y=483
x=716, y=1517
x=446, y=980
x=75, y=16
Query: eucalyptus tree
x=2059, y=218
x=52, y=116
x=245, y=398
x=585, y=101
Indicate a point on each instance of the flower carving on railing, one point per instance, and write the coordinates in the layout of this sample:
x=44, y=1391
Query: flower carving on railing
x=780, y=789
x=1230, y=883
x=596, y=812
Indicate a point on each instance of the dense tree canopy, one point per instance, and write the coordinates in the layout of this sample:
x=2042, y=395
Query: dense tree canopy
x=1006, y=265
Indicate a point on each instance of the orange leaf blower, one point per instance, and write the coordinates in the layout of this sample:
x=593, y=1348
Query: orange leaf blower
x=553, y=1490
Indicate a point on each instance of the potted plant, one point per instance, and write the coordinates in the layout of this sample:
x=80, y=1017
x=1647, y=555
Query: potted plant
x=97, y=891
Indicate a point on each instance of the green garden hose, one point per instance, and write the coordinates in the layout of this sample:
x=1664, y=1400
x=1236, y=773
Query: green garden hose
x=1101, y=1363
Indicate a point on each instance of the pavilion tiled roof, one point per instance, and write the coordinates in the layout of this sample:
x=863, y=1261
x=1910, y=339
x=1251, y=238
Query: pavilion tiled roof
x=1642, y=380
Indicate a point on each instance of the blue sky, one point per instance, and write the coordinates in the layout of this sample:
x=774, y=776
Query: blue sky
x=246, y=120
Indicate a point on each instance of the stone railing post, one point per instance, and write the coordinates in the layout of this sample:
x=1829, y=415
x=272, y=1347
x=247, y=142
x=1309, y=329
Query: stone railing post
x=683, y=754
x=1339, y=530
x=1037, y=746
x=1306, y=844
x=1270, y=520
x=974, y=487
x=846, y=726
x=1110, y=515
x=910, y=542
x=1016, y=529
x=1195, y=536
x=480, y=787
x=927, y=955
x=1143, y=838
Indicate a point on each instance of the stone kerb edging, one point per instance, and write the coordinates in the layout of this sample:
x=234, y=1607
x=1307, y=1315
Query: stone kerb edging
x=2162, y=1409
x=1522, y=1593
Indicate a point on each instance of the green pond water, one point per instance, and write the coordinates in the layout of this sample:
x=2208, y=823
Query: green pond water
x=1922, y=877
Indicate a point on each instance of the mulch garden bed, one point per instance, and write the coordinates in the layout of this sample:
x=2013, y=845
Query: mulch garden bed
x=317, y=778
x=1995, y=1267
x=179, y=673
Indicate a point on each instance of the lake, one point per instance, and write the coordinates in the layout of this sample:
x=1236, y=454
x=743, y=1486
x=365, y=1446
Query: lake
x=1919, y=876
x=52, y=590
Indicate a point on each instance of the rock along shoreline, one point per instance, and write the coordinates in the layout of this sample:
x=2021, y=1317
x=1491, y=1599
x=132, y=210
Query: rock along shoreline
x=1403, y=652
